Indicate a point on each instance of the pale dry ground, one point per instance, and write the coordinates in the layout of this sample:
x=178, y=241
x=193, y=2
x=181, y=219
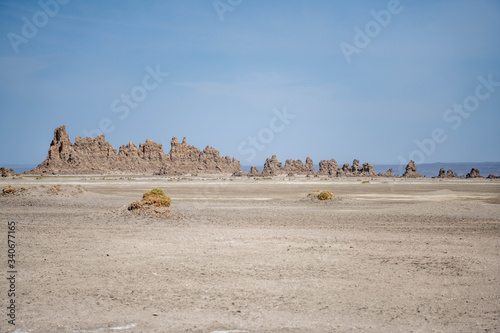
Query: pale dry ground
x=256, y=256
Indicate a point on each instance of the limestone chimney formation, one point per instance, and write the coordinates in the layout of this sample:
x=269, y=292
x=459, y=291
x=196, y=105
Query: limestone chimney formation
x=97, y=156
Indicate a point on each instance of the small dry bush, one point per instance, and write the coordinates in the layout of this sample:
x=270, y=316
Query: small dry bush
x=154, y=202
x=321, y=195
x=9, y=190
x=326, y=195
x=55, y=189
x=156, y=197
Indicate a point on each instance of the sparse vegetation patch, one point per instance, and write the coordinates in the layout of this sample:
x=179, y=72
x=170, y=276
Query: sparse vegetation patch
x=326, y=195
x=156, y=197
x=322, y=195
x=154, y=202
x=55, y=189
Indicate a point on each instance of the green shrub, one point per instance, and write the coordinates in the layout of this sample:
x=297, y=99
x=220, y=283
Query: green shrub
x=155, y=190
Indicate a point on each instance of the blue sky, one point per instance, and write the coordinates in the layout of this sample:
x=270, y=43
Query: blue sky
x=234, y=65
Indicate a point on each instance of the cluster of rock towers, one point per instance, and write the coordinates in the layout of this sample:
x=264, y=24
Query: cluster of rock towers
x=97, y=156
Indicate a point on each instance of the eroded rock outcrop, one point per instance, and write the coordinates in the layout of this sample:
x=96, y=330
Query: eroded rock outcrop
x=388, y=173
x=474, y=173
x=272, y=167
x=447, y=174
x=355, y=170
x=368, y=170
x=296, y=167
x=186, y=159
x=309, y=166
x=97, y=156
x=4, y=172
x=239, y=173
x=411, y=171
x=328, y=168
x=254, y=172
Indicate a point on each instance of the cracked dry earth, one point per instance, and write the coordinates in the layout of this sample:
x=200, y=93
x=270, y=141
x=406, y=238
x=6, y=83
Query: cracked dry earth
x=243, y=255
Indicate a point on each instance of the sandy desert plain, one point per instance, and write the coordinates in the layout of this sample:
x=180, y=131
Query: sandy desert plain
x=247, y=255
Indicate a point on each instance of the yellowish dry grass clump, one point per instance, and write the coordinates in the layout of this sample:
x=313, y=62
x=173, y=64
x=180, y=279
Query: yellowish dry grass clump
x=322, y=195
x=55, y=189
x=153, y=198
x=326, y=195
x=156, y=197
